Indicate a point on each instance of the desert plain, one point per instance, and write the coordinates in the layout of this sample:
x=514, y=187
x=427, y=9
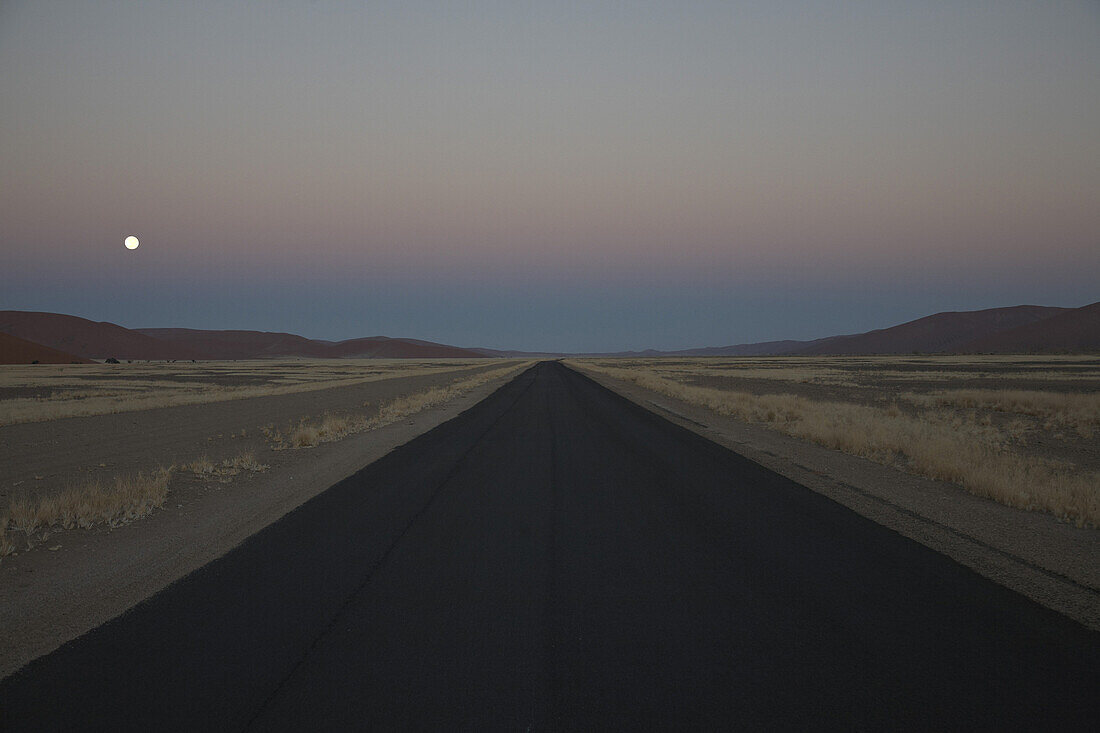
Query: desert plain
x=117, y=479
x=991, y=460
x=1021, y=430
x=120, y=478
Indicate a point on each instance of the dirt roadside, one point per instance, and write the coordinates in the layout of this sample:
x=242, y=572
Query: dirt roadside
x=39, y=458
x=78, y=579
x=1051, y=562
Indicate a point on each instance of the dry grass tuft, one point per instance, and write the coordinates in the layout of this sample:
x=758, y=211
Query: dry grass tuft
x=23, y=517
x=200, y=466
x=306, y=436
x=86, y=389
x=1075, y=411
x=128, y=498
x=125, y=499
x=205, y=468
x=336, y=427
x=941, y=445
x=244, y=462
x=7, y=547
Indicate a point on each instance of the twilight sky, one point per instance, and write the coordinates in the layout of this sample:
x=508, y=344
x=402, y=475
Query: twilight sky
x=548, y=175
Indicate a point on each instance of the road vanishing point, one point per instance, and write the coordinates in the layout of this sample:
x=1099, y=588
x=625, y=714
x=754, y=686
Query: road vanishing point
x=558, y=558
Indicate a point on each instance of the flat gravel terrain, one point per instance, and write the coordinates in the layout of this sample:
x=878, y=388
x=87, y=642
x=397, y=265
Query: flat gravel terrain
x=559, y=558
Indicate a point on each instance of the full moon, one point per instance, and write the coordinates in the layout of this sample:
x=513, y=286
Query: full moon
x=131, y=242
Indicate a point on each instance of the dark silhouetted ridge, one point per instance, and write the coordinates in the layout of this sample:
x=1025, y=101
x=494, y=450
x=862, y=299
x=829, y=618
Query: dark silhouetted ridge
x=941, y=332
x=238, y=344
x=90, y=339
x=263, y=344
x=1073, y=331
x=100, y=340
x=14, y=350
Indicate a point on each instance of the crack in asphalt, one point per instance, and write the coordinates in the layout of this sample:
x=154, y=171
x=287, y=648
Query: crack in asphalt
x=379, y=563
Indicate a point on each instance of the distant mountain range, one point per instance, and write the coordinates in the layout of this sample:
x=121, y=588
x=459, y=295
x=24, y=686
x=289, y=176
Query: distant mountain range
x=1075, y=329
x=95, y=340
x=942, y=332
x=1019, y=329
x=260, y=345
x=14, y=350
x=27, y=336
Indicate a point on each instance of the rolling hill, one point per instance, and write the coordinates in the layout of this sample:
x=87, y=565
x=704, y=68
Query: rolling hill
x=1018, y=329
x=1072, y=331
x=101, y=340
x=766, y=348
x=14, y=350
x=261, y=344
x=236, y=344
x=942, y=332
x=383, y=347
x=90, y=339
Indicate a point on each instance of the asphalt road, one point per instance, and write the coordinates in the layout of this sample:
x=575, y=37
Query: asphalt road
x=558, y=558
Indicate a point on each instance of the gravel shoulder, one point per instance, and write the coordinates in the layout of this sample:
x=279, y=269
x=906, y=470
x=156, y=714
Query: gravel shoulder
x=557, y=557
x=1051, y=562
x=77, y=579
x=39, y=458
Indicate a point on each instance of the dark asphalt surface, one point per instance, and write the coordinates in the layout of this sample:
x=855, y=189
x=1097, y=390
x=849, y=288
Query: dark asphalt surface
x=559, y=558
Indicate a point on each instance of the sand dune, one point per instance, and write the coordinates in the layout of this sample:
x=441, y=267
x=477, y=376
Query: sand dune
x=259, y=344
x=14, y=350
x=941, y=332
x=237, y=344
x=1074, y=330
x=90, y=339
x=101, y=340
x=1018, y=329
x=381, y=347
x=950, y=332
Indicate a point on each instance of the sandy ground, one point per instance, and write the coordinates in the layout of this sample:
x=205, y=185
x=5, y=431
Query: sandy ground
x=42, y=392
x=42, y=457
x=559, y=558
x=874, y=381
x=77, y=579
x=1049, y=561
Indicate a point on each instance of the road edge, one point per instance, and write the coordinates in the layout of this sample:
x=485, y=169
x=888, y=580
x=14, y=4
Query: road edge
x=55, y=615
x=1049, y=579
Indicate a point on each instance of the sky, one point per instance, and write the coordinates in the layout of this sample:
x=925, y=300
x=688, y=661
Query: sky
x=561, y=176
